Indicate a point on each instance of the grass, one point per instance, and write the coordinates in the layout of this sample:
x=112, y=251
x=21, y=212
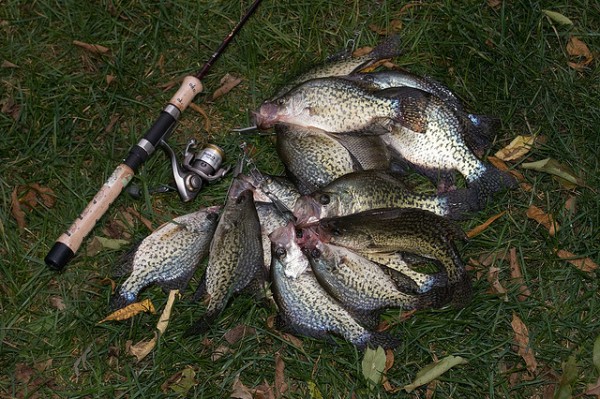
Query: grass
x=510, y=62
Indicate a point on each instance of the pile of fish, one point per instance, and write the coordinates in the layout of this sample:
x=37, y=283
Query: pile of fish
x=342, y=237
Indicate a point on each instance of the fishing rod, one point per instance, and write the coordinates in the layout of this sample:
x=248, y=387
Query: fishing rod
x=69, y=242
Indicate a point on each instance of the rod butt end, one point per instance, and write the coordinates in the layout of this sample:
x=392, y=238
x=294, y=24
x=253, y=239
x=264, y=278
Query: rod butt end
x=59, y=256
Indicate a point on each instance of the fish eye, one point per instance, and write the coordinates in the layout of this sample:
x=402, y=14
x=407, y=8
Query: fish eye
x=299, y=233
x=280, y=252
x=324, y=199
x=280, y=101
x=315, y=253
x=336, y=232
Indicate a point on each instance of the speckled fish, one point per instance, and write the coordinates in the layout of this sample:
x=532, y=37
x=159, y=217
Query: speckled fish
x=306, y=308
x=357, y=282
x=429, y=137
x=270, y=218
x=335, y=105
x=373, y=189
x=479, y=131
x=272, y=189
x=312, y=157
x=403, y=230
x=347, y=64
x=235, y=259
x=169, y=256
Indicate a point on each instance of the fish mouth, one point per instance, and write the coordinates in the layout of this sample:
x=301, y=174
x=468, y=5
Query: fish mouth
x=266, y=116
x=307, y=211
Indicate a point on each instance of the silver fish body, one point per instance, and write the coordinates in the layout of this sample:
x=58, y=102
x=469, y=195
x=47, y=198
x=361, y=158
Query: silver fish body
x=235, y=259
x=429, y=136
x=333, y=104
x=270, y=219
x=403, y=230
x=306, y=308
x=169, y=256
x=357, y=282
x=272, y=189
x=368, y=190
x=347, y=64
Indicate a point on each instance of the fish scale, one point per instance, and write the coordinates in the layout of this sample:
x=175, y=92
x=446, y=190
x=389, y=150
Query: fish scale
x=169, y=256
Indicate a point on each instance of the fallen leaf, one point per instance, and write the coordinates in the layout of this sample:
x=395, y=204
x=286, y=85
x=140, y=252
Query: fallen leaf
x=57, y=302
x=373, y=364
x=92, y=48
x=389, y=363
x=593, y=389
x=219, y=352
x=569, y=377
x=557, y=17
x=433, y=370
x=496, y=286
x=111, y=124
x=97, y=244
x=9, y=107
x=17, y=212
x=522, y=341
x=185, y=381
x=482, y=227
x=359, y=52
x=141, y=218
x=238, y=332
x=280, y=384
x=543, y=218
x=43, y=365
x=583, y=264
x=23, y=372
x=516, y=149
x=130, y=310
x=517, y=275
x=395, y=26
x=578, y=49
x=8, y=64
x=239, y=390
x=263, y=391
x=202, y=112
x=313, y=390
x=495, y=4
x=570, y=204
x=596, y=354
x=557, y=169
x=228, y=82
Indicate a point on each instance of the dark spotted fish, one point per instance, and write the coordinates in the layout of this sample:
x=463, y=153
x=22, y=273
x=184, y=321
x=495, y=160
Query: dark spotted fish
x=236, y=257
x=403, y=230
x=373, y=189
x=306, y=308
x=169, y=256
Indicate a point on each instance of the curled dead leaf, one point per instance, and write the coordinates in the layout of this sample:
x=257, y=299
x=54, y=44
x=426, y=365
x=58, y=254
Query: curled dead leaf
x=92, y=48
x=579, y=51
x=516, y=149
x=517, y=275
x=584, y=264
x=17, y=212
x=228, y=82
x=522, y=341
x=543, y=218
x=482, y=227
x=280, y=385
x=496, y=286
x=131, y=310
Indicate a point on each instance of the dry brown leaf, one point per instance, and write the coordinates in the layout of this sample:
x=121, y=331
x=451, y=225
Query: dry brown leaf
x=228, y=82
x=543, y=218
x=482, y=227
x=593, y=389
x=238, y=332
x=202, y=112
x=496, y=286
x=495, y=4
x=34, y=194
x=141, y=218
x=8, y=64
x=92, y=48
x=517, y=275
x=389, y=363
x=239, y=390
x=280, y=384
x=219, y=352
x=516, y=149
x=141, y=349
x=17, y=212
x=576, y=48
x=583, y=264
x=130, y=310
x=395, y=26
x=111, y=124
x=570, y=204
x=359, y=52
x=522, y=341
x=110, y=79
x=9, y=107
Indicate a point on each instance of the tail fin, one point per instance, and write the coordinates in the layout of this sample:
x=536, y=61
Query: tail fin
x=385, y=340
x=460, y=202
x=389, y=48
x=202, y=325
x=490, y=182
x=479, y=132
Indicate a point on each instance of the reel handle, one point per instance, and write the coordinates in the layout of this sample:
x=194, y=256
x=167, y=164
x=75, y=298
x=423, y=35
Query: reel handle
x=69, y=242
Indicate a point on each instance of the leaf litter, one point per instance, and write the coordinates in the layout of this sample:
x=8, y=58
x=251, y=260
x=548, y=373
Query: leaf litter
x=433, y=371
x=521, y=340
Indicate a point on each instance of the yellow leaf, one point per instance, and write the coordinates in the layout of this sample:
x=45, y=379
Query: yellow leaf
x=517, y=148
x=433, y=370
x=557, y=17
x=131, y=310
x=555, y=168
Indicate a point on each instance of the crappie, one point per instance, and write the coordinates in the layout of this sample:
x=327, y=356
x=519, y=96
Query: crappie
x=357, y=282
x=312, y=157
x=479, y=131
x=236, y=257
x=335, y=105
x=403, y=230
x=368, y=190
x=270, y=219
x=306, y=308
x=347, y=64
x=272, y=189
x=169, y=256
x=429, y=137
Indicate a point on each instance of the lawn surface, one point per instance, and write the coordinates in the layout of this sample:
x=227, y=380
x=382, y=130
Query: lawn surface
x=69, y=116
